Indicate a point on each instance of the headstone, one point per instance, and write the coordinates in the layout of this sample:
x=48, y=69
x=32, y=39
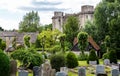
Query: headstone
x=100, y=69
x=115, y=72
x=92, y=62
x=13, y=68
x=81, y=71
x=36, y=70
x=23, y=73
x=64, y=69
x=106, y=62
x=101, y=74
x=61, y=74
x=53, y=71
x=114, y=67
x=46, y=69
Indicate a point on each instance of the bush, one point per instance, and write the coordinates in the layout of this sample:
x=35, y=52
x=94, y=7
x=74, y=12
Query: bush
x=71, y=60
x=4, y=64
x=57, y=61
x=44, y=54
x=55, y=49
x=105, y=55
x=82, y=57
x=93, y=56
x=112, y=56
x=28, y=58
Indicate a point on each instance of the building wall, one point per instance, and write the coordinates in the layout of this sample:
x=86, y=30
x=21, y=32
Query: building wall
x=86, y=13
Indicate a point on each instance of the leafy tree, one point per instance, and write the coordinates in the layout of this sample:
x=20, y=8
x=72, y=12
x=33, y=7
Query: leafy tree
x=62, y=41
x=91, y=29
x=112, y=56
x=71, y=29
x=82, y=41
x=1, y=29
x=2, y=44
x=30, y=22
x=27, y=41
x=107, y=42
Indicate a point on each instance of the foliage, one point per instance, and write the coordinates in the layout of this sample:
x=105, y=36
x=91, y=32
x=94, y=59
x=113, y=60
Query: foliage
x=30, y=22
x=55, y=48
x=82, y=40
x=28, y=58
x=71, y=60
x=2, y=44
x=57, y=61
x=61, y=38
x=14, y=43
x=105, y=55
x=92, y=56
x=27, y=41
x=71, y=29
x=107, y=42
x=4, y=64
x=91, y=29
x=1, y=29
x=82, y=57
x=38, y=43
x=112, y=56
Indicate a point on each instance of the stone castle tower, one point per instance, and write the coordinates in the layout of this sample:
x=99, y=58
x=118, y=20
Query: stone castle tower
x=86, y=13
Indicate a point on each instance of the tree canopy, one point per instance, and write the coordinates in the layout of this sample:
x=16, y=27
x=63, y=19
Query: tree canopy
x=30, y=22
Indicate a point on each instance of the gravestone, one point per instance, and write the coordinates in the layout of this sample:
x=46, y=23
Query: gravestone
x=46, y=69
x=81, y=71
x=13, y=68
x=114, y=67
x=101, y=74
x=53, y=71
x=100, y=69
x=92, y=62
x=61, y=74
x=22, y=73
x=64, y=69
x=115, y=72
x=36, y=71
x=106, y=62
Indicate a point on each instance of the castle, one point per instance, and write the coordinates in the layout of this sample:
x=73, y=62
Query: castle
x=59, y=19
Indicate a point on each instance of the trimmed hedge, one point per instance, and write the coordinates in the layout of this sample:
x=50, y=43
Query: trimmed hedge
x=113, y=56
x=57, y=61
x=71, y=60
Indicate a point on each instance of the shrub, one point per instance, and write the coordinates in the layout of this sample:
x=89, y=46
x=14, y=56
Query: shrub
x=105, y=55
x=55, y=49
x=93, y=56
x=112, y=56
x=71, y=60
x=44, y=54
x=28, y=58
x=82, y=57
x=4, y=64
x=57, y=61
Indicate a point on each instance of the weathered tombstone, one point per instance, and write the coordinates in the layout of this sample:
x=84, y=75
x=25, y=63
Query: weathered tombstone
x=13, y=68
x=61, y=74
x=23, y=73
x=36, y=70
x=46, y=69
x=114, y=67
x=64, y=69
x=101, y=74
x=106, y=62
x=81, y=71
x=100, y=69
x=92, y=62
x=53, y=72
x=115, y=72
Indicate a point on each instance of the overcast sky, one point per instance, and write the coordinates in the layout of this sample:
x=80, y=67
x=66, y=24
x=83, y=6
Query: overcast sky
x=12, y=11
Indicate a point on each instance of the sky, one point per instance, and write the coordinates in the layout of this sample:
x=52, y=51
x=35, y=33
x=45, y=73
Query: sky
x=12, y=11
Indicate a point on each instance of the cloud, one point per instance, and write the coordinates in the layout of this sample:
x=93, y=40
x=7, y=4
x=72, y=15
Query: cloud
x=44, y=9
x=46, y=3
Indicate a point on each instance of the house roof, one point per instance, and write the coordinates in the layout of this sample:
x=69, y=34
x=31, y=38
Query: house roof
x=90, y=40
